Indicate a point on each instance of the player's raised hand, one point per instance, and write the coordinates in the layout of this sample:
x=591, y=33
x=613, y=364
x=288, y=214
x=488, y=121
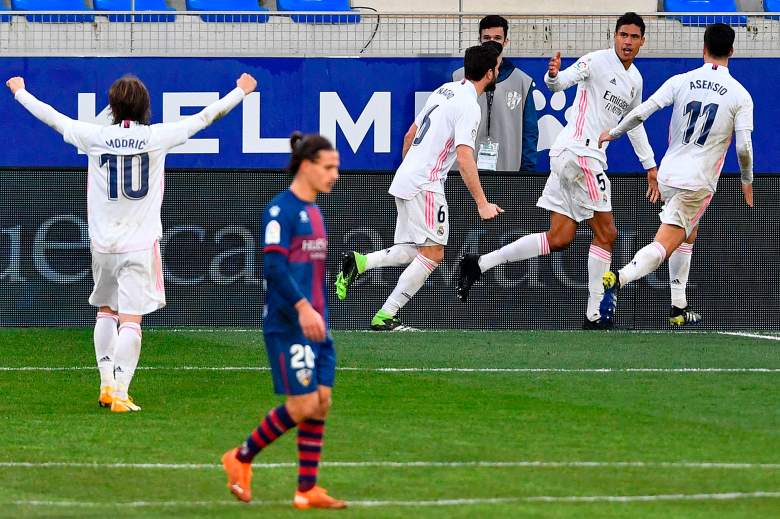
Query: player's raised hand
x=605, y=137
x=488, y=211
x=653, y=194
x=312, y=323
x=246, y=83
x=747, y=190
x=554, y=65
x=15, y=84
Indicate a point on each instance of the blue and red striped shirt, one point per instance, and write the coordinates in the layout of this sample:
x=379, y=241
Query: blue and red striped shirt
x=295, y=248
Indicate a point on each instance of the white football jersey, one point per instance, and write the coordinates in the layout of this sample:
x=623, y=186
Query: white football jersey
x=125, y=173
x=709, y=106
x=125, y=180
x=450, y=118
x=606, y=91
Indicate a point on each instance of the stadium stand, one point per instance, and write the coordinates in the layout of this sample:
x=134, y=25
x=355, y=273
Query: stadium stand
x=318, y=5
x=228, y=5
x=140, y=5
x=512, y=6
x=705, y=6
x=54, y=5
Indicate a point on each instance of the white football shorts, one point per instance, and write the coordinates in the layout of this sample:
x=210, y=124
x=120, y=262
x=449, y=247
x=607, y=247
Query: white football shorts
x=423, y=220
x=683, y=207
x=577, y=187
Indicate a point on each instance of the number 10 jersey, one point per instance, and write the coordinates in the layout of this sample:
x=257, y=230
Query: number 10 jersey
x=125, y=180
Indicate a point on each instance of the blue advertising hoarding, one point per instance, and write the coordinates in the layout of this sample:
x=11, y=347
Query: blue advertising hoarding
x=366, y=104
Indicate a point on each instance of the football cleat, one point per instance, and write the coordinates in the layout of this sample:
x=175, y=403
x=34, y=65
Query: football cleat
x=683, y=317
x=106, y=396
x=384, y=322
x=123, y=405
x=239, y=476
x=468, y=274
x=609, y=301
x=352, y=265
x=598, y=324
x=316, y=497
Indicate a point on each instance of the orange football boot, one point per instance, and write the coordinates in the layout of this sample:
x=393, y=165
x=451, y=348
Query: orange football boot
x=316, y=497
x=239, y=476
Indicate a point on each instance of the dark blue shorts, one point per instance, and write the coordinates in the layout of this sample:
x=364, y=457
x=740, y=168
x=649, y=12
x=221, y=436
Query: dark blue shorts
x=298, y=365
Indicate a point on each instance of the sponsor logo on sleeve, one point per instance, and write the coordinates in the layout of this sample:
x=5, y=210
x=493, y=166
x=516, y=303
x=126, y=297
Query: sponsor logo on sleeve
x=273, y=233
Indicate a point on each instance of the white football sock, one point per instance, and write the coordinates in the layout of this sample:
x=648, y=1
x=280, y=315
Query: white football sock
x=126, y=358
x=646, y=260
x=529, y=246
x=105, y=337
x=599, y=261
x=395, y=256
x=679, y=268
x=411, y=280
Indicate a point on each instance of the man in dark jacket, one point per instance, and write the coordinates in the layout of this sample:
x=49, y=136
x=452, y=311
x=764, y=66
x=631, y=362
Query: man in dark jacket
x=508, y=134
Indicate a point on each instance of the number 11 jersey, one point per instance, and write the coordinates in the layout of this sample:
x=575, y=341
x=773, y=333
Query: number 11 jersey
x=709, y=106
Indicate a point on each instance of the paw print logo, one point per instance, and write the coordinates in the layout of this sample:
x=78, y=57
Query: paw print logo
x=550, y=124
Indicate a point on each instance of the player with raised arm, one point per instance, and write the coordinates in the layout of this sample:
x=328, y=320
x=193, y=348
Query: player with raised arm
x=300, y=349
x=125, y=178
x=443, y=132
x=710, y=106
x=608, y=86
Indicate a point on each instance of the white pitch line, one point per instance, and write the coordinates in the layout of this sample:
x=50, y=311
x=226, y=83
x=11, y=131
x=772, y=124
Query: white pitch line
x=725, y=496
x=752, y=335
x=409, y=464
x=415, y=370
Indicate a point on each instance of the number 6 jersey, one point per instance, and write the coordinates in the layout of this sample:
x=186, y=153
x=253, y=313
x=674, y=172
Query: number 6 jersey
x=125, y=175
x=709, y=106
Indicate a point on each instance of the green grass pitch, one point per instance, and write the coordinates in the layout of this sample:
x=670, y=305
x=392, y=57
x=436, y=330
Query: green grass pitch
x=512, y=442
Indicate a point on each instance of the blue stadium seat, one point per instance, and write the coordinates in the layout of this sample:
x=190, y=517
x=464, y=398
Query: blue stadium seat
x=4, y=17
x=54, y=5
x=318, y=5
x=140, y=5
x=705, y=6
x=228, y=5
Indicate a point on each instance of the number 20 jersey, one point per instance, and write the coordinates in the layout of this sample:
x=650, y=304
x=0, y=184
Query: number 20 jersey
x=709, y=106
x=125, y=180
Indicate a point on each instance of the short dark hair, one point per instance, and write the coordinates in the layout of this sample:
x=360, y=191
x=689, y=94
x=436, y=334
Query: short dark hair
x=306, y=147
x=631, y=18
x=493, y=20
x=129, y=100
x=719, y=40
x=494, y=45
x=478, y=60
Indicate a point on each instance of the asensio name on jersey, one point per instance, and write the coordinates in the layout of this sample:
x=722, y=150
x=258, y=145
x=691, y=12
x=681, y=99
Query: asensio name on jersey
x=451, y=117
x=709, y=106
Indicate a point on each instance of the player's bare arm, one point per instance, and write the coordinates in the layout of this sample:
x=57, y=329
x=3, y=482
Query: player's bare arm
x=652, y=194
x=408, y=138
x=554, y=65
x=468, y=171
x=246, y=83
x=312, y=323
x=15, y=84
x=744, y=146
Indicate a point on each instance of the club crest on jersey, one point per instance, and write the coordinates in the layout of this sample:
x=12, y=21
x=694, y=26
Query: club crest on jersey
x=513, y=99
x=304, y=376
x=304, y=216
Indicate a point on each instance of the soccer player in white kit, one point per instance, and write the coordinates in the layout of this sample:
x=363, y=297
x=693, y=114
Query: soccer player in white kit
x=444, y=131
x=608, y=86
x=125, y=182
x=710, y=106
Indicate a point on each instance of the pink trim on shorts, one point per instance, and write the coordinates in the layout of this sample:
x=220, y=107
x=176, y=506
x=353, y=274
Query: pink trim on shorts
x=590, y=179
x=160, y=284
x=701, y=210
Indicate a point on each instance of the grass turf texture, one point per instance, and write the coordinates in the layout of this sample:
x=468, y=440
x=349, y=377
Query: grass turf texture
x=193, y=416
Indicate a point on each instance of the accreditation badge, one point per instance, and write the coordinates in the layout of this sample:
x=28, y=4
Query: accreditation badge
x=487, y=155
